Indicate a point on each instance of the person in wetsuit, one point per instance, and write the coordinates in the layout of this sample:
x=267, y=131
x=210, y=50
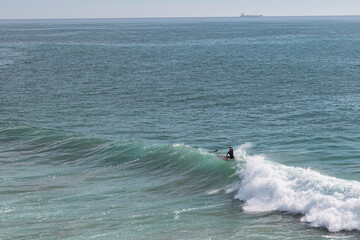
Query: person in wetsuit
x=230, y=153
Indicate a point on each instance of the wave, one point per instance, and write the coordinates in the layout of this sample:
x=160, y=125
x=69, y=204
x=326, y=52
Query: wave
x=323, y=201
x=264, y=186
x=40, y=146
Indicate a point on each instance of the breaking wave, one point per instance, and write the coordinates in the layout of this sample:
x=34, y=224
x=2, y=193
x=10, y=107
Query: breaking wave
x=264, y=186
x=323, y=201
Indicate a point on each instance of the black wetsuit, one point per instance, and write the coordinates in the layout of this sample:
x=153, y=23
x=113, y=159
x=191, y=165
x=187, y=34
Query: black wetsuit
x=230, y=154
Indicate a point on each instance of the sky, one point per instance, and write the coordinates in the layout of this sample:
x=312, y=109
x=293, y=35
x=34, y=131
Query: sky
x=40, y=9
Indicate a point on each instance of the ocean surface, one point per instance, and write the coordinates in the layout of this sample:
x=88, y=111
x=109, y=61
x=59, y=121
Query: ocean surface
x=108, y=127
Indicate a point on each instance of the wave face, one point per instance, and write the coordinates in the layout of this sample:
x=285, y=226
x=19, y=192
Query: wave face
x=322, y=200
x=22, y=145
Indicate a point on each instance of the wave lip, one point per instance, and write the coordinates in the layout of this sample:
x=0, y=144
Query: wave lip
x=324, y=201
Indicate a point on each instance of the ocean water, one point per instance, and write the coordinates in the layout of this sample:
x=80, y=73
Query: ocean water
x=108, y=127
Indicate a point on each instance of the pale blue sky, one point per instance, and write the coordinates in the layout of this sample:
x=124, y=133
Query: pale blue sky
x=35, y=9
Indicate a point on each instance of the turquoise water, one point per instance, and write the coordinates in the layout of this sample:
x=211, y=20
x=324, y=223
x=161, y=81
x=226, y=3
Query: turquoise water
x=107, y=128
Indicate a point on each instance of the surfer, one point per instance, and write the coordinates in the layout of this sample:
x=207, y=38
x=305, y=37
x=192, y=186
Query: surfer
x=230, y=153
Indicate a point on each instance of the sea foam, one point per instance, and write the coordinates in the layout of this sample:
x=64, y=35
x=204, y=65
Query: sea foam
x=324, y=201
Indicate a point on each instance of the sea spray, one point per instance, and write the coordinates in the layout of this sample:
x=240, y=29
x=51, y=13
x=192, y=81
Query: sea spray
x=324, y=201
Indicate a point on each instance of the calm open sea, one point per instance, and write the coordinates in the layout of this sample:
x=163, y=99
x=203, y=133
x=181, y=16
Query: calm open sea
x=107, y=128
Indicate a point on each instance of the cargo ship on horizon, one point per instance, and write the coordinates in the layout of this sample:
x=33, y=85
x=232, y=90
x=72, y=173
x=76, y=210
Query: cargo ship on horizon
x=244, y=15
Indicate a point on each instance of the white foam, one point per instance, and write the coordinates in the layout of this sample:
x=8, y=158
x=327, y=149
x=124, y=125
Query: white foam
x=182, y=145
x=178, y=212
x=336, y=237
x=6, y=210
x=324, y=201
x=214, y=191
x=179, y=145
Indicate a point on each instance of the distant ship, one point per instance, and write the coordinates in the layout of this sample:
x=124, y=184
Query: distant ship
x=243, y=15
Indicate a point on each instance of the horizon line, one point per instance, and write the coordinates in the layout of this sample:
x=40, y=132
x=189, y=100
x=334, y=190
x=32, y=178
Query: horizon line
x=260, y=16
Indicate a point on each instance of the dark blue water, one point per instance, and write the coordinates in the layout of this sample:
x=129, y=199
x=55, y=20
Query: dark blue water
x=106, y=128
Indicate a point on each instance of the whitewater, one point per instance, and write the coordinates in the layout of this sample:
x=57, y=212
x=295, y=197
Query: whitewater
x=323, y=201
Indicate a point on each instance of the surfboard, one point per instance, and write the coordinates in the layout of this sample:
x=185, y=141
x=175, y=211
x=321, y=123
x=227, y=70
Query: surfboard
x=223, y=157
